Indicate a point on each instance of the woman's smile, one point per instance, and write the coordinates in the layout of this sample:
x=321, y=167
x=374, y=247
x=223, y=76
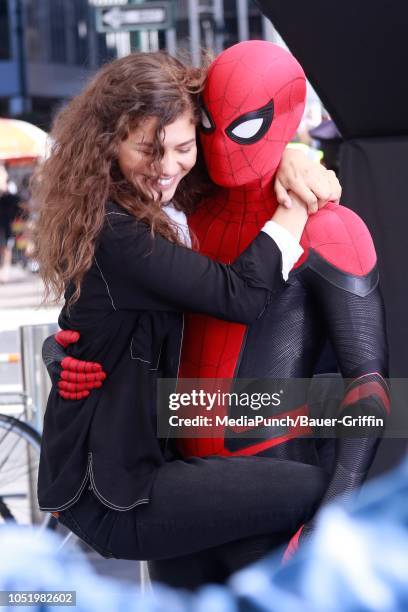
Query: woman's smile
x=166, y=182
x=179, y=153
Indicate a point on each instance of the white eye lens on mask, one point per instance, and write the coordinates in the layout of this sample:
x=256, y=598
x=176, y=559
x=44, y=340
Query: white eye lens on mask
x=252, y=126
x=248, y=129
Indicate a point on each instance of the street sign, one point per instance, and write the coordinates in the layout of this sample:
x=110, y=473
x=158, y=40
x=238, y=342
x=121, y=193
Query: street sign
x=133, y=17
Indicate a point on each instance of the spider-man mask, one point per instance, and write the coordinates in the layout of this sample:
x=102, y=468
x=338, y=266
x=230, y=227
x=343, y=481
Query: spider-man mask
x=252, y=105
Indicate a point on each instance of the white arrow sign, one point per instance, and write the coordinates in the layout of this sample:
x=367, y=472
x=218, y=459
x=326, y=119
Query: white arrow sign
x=116, y=17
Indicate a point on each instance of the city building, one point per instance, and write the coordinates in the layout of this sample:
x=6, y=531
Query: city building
x=49, y=48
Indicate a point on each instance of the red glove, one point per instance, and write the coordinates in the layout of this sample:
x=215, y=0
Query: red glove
x=74, y=378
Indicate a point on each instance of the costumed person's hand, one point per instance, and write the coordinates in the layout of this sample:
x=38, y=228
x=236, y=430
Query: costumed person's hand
x=301, y=536
x=73, y=377
x=311, y=182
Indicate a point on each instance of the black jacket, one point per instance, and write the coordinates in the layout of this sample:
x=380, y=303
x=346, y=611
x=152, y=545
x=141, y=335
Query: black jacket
x=130, y=319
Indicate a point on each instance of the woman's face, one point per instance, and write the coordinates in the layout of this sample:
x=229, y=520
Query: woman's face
x=180, y=153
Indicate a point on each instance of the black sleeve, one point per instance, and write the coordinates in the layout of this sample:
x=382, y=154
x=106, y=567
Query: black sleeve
x=145, y=272
x=354, y=315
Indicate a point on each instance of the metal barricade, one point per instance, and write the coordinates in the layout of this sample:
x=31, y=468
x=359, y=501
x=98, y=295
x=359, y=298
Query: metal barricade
x=36, y=386
x=36, y=382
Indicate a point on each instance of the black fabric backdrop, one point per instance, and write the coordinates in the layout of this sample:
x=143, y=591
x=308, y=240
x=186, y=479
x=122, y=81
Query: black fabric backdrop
x=355, y=54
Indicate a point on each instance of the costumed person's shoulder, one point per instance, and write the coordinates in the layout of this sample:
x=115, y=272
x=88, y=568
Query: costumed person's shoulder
x=340, y=237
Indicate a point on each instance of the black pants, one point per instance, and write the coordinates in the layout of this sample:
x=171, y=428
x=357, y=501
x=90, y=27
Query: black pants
x=198, y=504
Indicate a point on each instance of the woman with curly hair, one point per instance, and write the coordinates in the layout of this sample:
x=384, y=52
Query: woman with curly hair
x=112, y=237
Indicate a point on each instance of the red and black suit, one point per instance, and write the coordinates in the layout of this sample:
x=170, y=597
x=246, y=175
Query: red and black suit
x=252, y=105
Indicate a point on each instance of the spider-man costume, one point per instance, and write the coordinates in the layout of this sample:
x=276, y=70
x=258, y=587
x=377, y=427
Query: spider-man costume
x=252, y=105
x=253, y=102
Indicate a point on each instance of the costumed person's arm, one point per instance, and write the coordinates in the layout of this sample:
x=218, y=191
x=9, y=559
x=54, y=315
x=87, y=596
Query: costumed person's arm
x=74, y=378
x=341, y=271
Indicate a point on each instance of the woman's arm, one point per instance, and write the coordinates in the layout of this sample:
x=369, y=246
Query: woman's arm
x=144, y=272
x=141, y=272
x=309, y=181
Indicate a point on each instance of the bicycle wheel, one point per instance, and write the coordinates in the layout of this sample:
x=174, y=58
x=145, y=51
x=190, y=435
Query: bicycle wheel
x=19, y=459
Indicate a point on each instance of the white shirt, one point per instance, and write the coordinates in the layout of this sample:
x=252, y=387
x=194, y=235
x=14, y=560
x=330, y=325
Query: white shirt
x=287, y=244
x=180, y=221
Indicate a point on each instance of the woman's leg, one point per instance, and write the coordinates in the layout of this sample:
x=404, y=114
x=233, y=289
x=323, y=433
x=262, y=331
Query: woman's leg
x=201, y=503
x=197, y=504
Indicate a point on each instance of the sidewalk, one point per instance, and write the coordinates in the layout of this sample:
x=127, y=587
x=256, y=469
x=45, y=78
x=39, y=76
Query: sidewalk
x=23, y=289
x=20, y=301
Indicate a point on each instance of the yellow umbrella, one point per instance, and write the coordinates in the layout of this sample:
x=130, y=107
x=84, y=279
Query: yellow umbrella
x=20, y=141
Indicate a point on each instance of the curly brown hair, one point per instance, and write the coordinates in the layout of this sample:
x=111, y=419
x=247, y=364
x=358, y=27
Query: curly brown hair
x=81, y=174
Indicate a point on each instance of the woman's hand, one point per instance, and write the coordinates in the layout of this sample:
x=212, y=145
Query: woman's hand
x=309, y=181
x=293, y=219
